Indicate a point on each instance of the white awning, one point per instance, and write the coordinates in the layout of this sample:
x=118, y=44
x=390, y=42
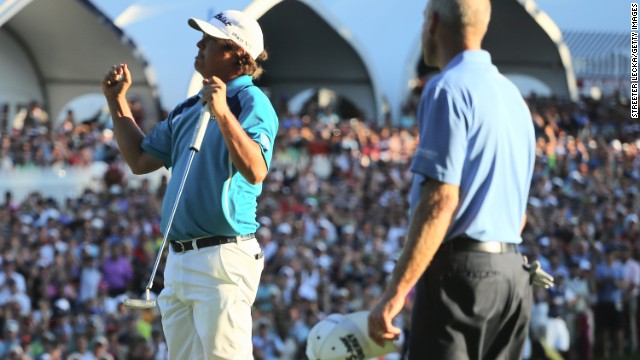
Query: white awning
x=56, y=51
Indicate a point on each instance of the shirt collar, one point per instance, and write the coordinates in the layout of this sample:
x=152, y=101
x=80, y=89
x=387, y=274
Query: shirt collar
x=469, y=55
x=238, y=83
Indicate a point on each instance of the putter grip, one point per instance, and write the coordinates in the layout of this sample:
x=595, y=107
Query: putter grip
x=201, y=129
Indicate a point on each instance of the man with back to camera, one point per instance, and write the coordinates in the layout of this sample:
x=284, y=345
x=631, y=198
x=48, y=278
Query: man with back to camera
x=214, y=266
x=472, y=172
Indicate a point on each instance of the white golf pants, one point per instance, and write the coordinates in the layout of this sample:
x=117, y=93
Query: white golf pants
x=206, y=301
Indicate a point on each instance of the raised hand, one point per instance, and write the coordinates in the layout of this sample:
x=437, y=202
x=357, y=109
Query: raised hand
x=117, y=81
x=215, y=94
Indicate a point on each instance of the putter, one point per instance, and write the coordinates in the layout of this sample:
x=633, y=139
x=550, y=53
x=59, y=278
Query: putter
x=196, y=141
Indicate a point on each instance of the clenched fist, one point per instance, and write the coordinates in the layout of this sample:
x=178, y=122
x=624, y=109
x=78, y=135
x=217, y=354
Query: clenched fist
x=117, y=81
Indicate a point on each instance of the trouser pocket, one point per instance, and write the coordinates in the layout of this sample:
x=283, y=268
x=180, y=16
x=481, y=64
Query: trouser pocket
x=243, y=263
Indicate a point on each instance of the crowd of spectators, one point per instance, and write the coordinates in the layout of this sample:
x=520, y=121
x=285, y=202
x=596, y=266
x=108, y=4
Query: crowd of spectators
x=333, y=218
x=34, y=141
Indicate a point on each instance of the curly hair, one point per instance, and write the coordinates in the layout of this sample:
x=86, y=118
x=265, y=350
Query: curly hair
x=246, y=64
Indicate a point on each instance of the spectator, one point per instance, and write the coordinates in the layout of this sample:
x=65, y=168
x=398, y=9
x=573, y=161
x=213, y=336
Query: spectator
x=267, y=344
x=117, y=270
x=80, y=349
x=9, y=272
x=90, y=276
x=610, y=281
x=10, y=338
x=631, y=292
x=580, y=316
x=16, y=299
x=99, y=351
x=561, y=301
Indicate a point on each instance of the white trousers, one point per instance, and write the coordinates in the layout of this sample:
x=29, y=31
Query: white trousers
x=206, y=301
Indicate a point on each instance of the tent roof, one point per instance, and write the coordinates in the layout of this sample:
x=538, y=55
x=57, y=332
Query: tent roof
x=315, y=55
x=71, y=45
x=543, y=55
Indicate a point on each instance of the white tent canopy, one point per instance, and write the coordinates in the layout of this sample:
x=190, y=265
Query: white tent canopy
x=57, y=51
x=524, y=40
x=311, y=49
x=53, y=52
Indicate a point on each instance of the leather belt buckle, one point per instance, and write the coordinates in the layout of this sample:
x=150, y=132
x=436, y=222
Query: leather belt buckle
x=465, y=244
x=492, y=247
x=180, y=247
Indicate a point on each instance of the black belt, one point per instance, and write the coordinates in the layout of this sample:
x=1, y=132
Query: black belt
x=463, y=243
x=180, y=246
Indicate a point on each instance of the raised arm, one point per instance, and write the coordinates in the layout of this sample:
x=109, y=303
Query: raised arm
x=245, y=153
x=127, y=133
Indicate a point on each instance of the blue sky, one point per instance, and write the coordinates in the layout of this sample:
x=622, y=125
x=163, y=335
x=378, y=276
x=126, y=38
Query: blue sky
x=159, y=28
x=601, y=15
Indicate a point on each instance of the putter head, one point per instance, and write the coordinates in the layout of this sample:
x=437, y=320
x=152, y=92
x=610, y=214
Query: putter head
x=139, y=303
x=147, y=303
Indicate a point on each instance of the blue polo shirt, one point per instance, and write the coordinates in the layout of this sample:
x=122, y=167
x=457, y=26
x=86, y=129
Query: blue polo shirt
x=476, y=132
x=607, y=291
x=216, y=200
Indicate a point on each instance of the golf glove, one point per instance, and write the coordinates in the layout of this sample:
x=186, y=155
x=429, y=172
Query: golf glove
x=537, y=276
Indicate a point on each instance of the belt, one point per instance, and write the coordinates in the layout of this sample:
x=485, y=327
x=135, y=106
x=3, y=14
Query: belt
x=180, y=246
x=463, y=243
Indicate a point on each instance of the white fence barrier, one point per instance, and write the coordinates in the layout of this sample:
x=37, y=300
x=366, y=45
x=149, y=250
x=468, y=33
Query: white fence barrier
x=61, y=184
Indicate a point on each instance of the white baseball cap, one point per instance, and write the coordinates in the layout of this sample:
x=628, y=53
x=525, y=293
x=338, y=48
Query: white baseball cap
x=235, y=25
x=344, y=336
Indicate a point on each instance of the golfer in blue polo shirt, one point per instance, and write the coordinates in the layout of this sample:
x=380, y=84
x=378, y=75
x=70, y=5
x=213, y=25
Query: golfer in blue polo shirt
x=472, y=172
x=215, y=262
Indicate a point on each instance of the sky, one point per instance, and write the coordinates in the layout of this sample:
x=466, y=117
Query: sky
x=159, y=29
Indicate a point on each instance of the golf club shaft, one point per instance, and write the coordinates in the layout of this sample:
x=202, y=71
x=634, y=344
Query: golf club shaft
x=194, y=148
x=198, y=134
